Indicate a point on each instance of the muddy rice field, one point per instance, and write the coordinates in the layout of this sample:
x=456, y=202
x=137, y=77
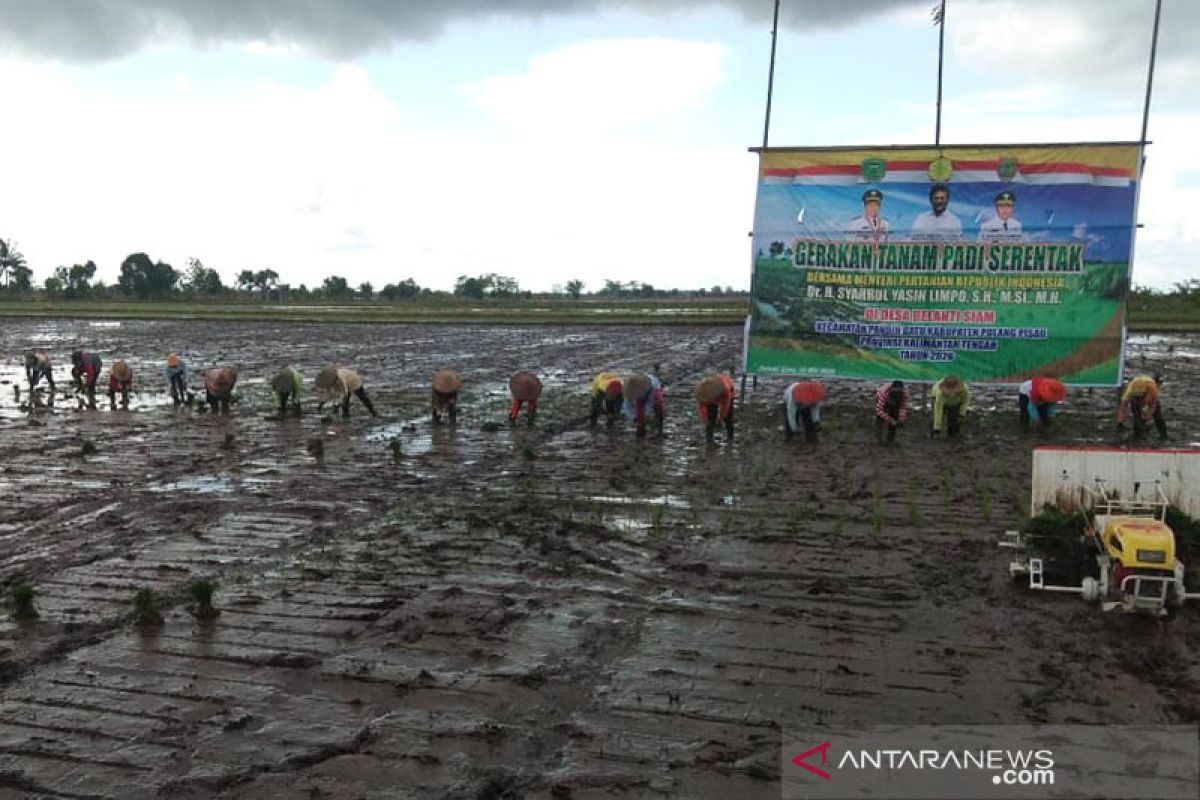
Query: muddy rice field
x=521, y=612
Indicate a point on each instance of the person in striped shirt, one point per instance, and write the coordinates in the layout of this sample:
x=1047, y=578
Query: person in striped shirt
x=891, y=410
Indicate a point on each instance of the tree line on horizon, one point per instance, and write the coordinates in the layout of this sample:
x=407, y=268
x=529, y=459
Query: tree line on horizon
x=141, y=277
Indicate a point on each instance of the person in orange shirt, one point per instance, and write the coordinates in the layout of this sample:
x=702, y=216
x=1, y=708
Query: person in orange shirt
x=1140, y=400
x=714, y=396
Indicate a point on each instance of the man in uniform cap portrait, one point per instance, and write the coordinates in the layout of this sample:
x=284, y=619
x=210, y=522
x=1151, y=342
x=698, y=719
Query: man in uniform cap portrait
x=870, y=226
x=1004, y=225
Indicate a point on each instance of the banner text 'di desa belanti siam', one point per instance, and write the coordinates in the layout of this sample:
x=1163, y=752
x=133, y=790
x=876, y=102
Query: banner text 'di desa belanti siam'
x=995, y=263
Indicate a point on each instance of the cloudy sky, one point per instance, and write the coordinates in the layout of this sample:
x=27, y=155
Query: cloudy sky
x=543, y=139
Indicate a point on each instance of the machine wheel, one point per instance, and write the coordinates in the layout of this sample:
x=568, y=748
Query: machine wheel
x=1091, y=589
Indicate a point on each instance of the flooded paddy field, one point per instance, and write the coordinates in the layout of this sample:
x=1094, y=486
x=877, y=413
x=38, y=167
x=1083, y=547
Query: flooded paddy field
x=542, y=612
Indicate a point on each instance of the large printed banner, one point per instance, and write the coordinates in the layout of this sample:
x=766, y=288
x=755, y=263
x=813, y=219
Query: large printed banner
x=992, y=263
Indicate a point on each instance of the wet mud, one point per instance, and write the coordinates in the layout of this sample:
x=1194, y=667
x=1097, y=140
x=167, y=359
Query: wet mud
x=507, y=612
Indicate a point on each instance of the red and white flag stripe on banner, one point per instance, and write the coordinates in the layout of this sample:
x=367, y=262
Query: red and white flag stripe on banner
x=964, y=172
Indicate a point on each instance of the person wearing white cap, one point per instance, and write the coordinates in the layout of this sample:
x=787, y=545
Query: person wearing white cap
x=870, y=226
x=1004, y=226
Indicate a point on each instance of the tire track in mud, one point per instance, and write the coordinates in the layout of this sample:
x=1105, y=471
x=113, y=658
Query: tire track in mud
x=546, y=612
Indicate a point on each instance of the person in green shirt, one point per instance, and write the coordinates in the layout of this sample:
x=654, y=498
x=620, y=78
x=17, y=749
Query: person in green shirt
x=951, y=400
x=286, y=386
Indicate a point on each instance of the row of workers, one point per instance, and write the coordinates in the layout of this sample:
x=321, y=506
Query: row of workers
x=335, y=384
x=1037, y=401
x=639, y=396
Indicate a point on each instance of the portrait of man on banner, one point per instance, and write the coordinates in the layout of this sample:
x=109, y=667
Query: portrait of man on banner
x=869, y=226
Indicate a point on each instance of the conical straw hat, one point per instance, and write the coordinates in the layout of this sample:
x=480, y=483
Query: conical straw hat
x=446, y=381
x=710, y=390
x=525, y=386
x=327, y=378
x=1053, y=390
x=637, y=386
x=122, y=371
x=806, y=393
x=284, y=381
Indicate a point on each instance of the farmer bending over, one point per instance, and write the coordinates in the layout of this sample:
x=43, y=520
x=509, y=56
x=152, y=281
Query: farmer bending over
x=1140, y=399
x=85, y=371
x=1038, y=398
x=606, y=392
x=444, y=395
x=120, y=379
x=714, y=396
x=802, y=402
x=37, y=366
x=176, y=378
x=891, y=410
x=286, y=386
x=951, y=400
x=337, y=384
x=526, y=388
x=644, y=391
x=218, y=388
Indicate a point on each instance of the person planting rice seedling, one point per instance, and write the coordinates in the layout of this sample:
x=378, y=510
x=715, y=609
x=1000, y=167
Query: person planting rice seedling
x=444, y=395
x=37, y=366
x=176, y=373
x=643, y=393
x=951, y=400
x=1140, y=401
x=891, y=410
x=1038, y=399
x=802, y=409
x=85, y=371
x=218, y=388
x=715, y=395
x=606, y=392
x=120, y=380
x=337, y=384
x=286, y=387
x=526, y=388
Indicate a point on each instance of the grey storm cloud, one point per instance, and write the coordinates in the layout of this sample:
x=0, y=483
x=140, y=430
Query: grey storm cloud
x=97, y=30
x=92, y=30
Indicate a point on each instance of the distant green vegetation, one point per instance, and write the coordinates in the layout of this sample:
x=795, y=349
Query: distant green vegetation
x=1176, y=310
x=429, y=309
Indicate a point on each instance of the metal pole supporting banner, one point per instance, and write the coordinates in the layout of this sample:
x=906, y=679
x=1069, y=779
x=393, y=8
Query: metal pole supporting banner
x=1150, y=75
x=939, y=16
x=771, y=75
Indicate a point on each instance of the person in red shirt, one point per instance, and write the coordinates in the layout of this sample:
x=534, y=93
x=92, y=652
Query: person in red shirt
x=714, y=396
x=85, y=371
